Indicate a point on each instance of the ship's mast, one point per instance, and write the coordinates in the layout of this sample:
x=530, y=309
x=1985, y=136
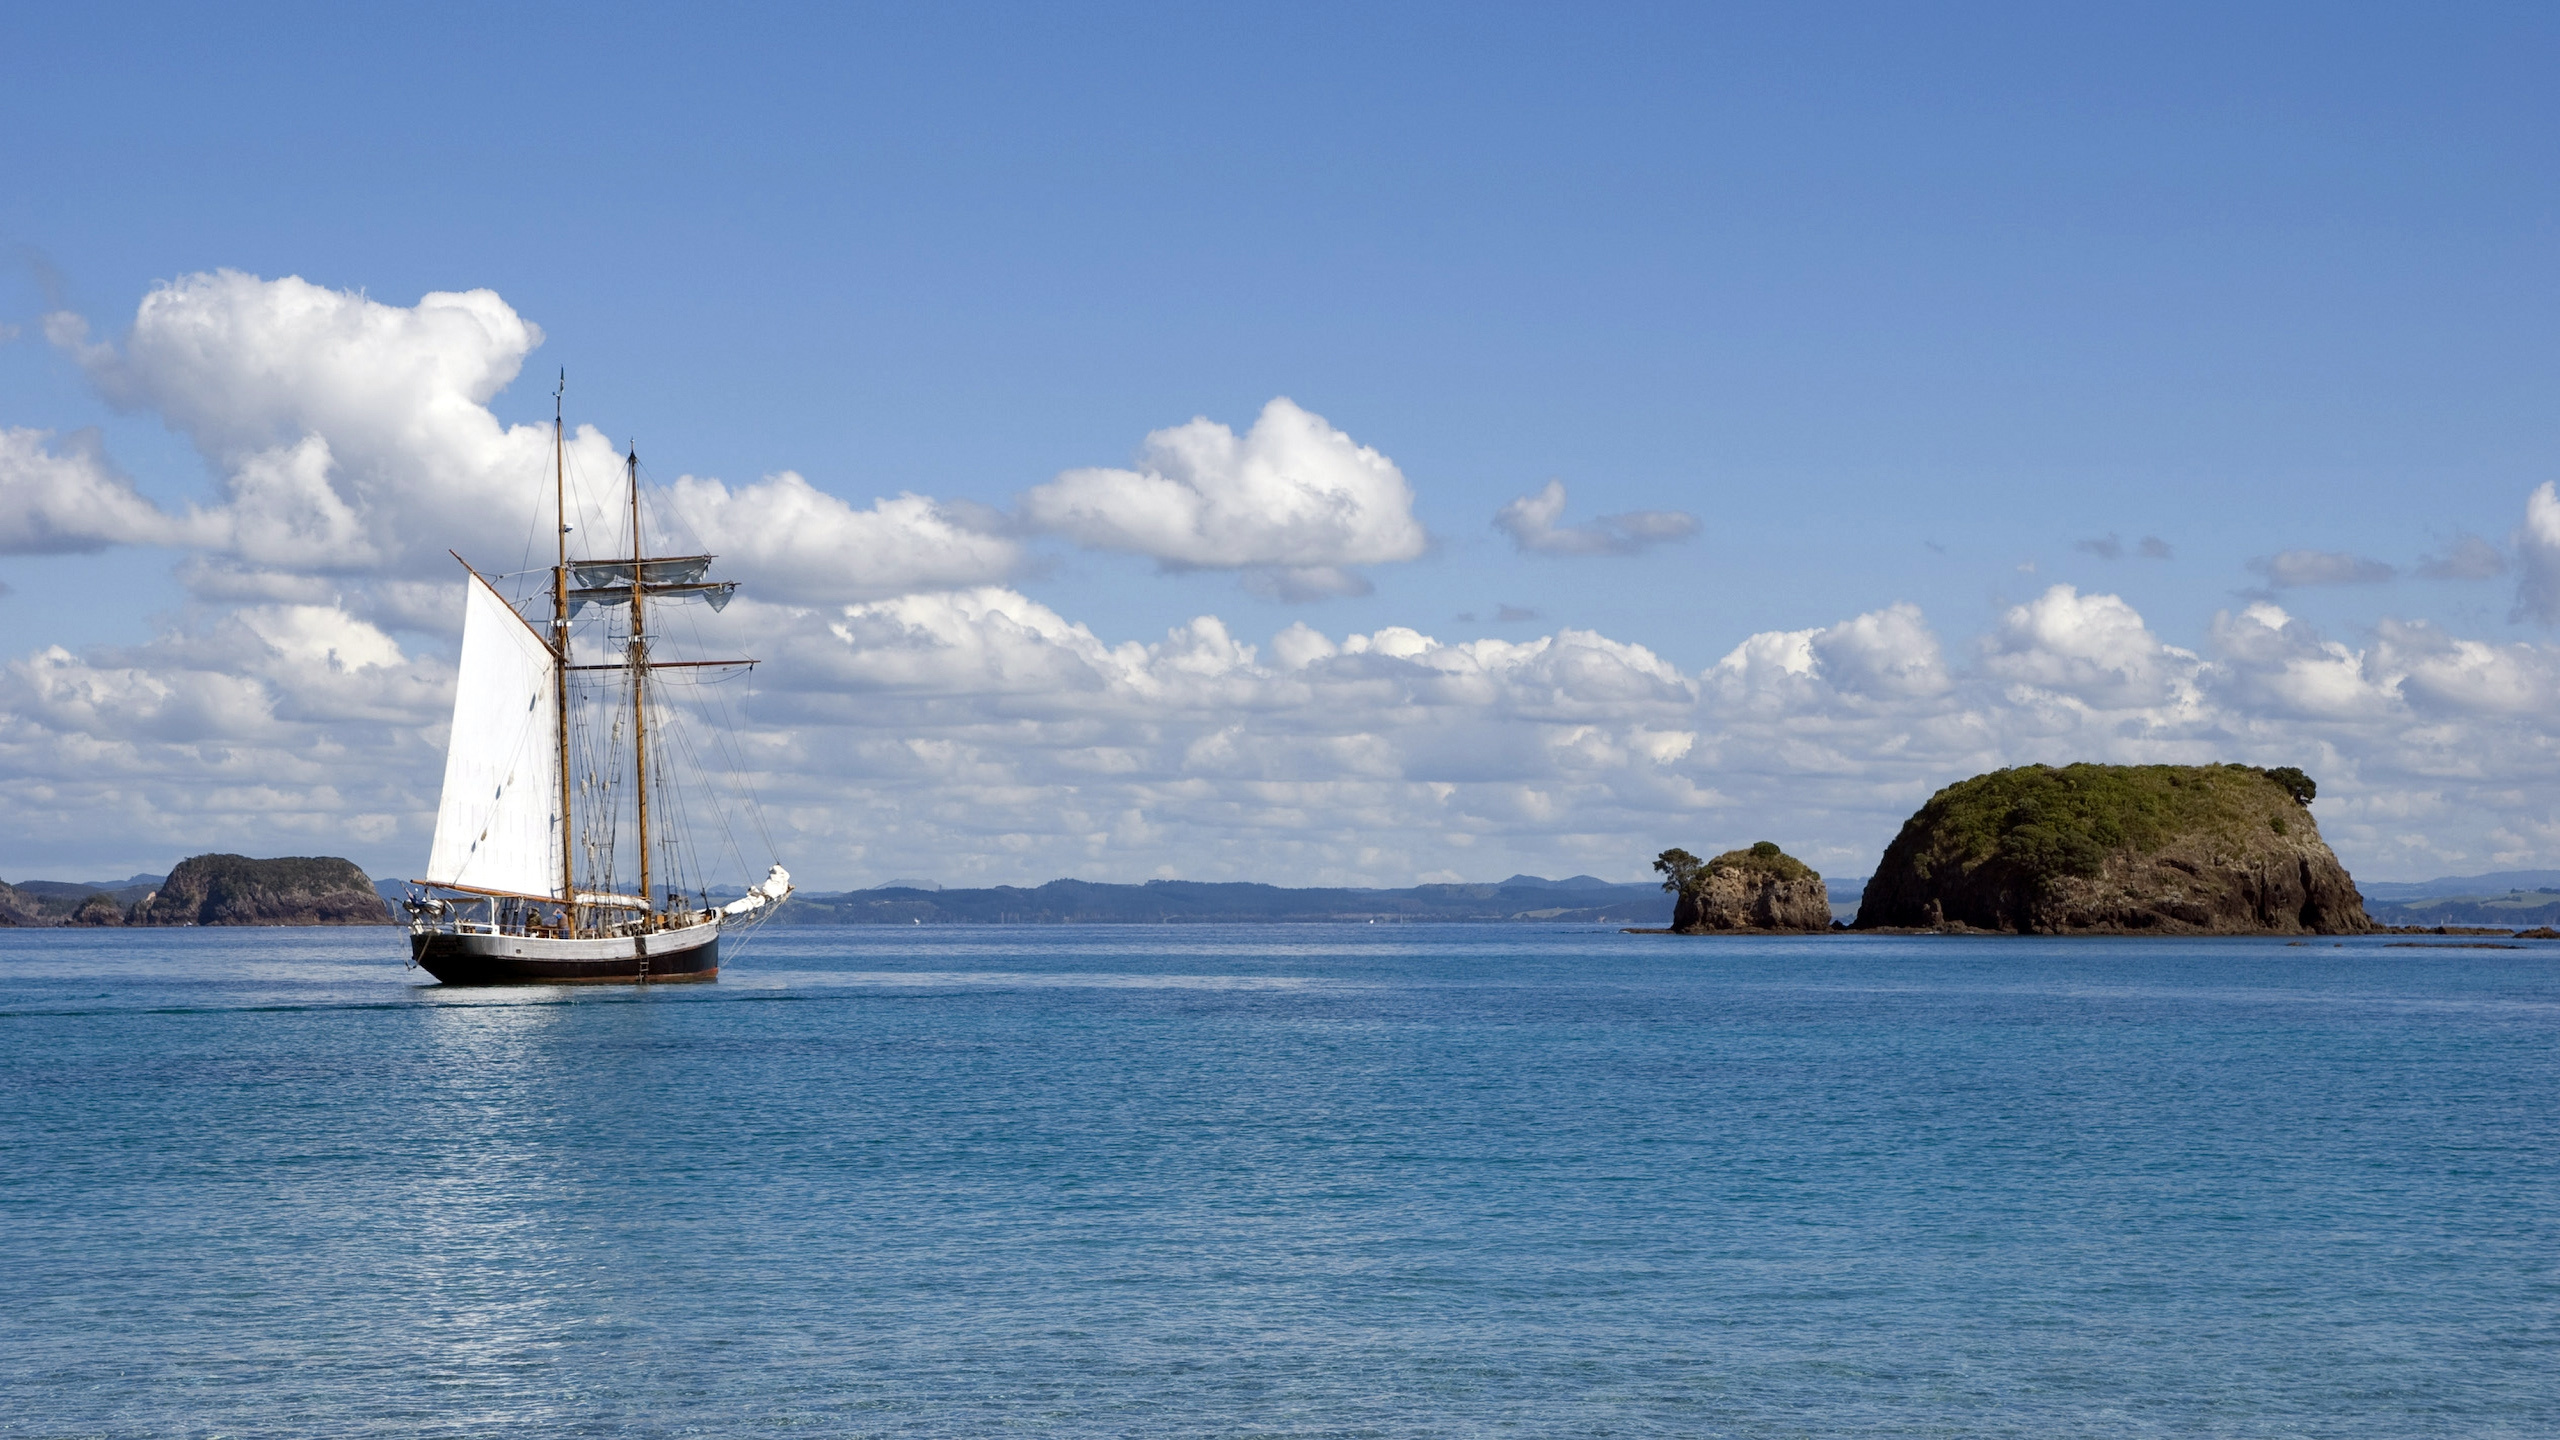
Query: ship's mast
x=560, y=660
x=639, y=674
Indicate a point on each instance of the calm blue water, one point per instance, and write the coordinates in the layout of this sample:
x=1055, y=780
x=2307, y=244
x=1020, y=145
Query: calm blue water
x=1458, y=1180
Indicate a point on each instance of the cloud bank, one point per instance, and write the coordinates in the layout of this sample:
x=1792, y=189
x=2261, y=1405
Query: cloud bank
x=921, y=715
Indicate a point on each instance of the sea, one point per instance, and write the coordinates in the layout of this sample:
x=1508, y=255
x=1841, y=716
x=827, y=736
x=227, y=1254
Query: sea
x=1321, y=1180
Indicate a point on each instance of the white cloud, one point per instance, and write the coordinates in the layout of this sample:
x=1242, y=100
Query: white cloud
x=917, y=716
x=1293, y=499
x=1884, y=653
x=2094, y=648
x=348, y=434
x=2275, y=664
x=2538, y=551
x=354, y=446
x=1530, y=521
x=800, y=543
x=2445, y=675
x=285, y=512
x=1769, y=660
x=243, y=364
x=69, y=499
x=977, y=735
x=279, y=729
x=320, y=635
x=2293, y=568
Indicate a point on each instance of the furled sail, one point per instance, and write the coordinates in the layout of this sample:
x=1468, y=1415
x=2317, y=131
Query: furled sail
x=673, y=577
x=715, y=591
x=499, y=825
x=664, y=570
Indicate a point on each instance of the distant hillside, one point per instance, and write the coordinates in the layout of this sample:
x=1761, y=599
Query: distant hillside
x=2520, y=899
x=2517, y=909
x=72, y=902
x=2496, y=882
x=1522, y=897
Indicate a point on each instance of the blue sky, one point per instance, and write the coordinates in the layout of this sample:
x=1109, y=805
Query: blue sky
x=1903, y=304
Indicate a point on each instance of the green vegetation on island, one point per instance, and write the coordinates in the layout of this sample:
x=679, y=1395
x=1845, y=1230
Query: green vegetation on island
x=2212, y=849
x=1757, y=887
x=237, y=890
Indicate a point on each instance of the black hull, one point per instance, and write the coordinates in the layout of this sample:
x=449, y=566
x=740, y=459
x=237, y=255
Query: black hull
x=467, y=960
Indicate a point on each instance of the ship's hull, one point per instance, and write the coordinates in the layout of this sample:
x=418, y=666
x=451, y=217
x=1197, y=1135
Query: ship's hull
x=668, y=956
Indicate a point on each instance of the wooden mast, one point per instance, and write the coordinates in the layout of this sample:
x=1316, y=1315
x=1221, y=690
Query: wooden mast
x=560, y=662
x=639, y=675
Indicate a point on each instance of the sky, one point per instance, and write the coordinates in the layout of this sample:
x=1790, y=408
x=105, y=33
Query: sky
x=1342, y=445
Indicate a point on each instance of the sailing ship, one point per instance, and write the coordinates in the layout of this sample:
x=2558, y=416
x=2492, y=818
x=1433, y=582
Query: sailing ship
x=522, y=883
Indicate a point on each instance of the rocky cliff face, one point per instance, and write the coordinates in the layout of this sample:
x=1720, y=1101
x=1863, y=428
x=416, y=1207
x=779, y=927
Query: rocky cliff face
x=236, y=890
x=17, y=909
x=2117, y=849
x=1760, y=888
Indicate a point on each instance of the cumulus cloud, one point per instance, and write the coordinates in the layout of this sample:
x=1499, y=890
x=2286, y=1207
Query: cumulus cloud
x=2292, y=568
x=801, y=543
x=347, y=434
x=1885, y=653
x=2538, y=556
x=353, y=445
x=292, y=728
x=2094, y=648
x=1292, y=499
x=57, y=499
x=245, y=364
x=977, y=734
x=919, y=715
x=2446, y=675
x=2274, y=664
x=1530, y=521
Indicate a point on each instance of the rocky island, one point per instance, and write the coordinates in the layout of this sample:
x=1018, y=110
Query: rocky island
x=236, y=890
x=1759, y=888
x=2117, y=849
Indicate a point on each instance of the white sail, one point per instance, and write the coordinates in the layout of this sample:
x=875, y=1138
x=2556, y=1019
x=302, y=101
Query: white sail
x=498, y=827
